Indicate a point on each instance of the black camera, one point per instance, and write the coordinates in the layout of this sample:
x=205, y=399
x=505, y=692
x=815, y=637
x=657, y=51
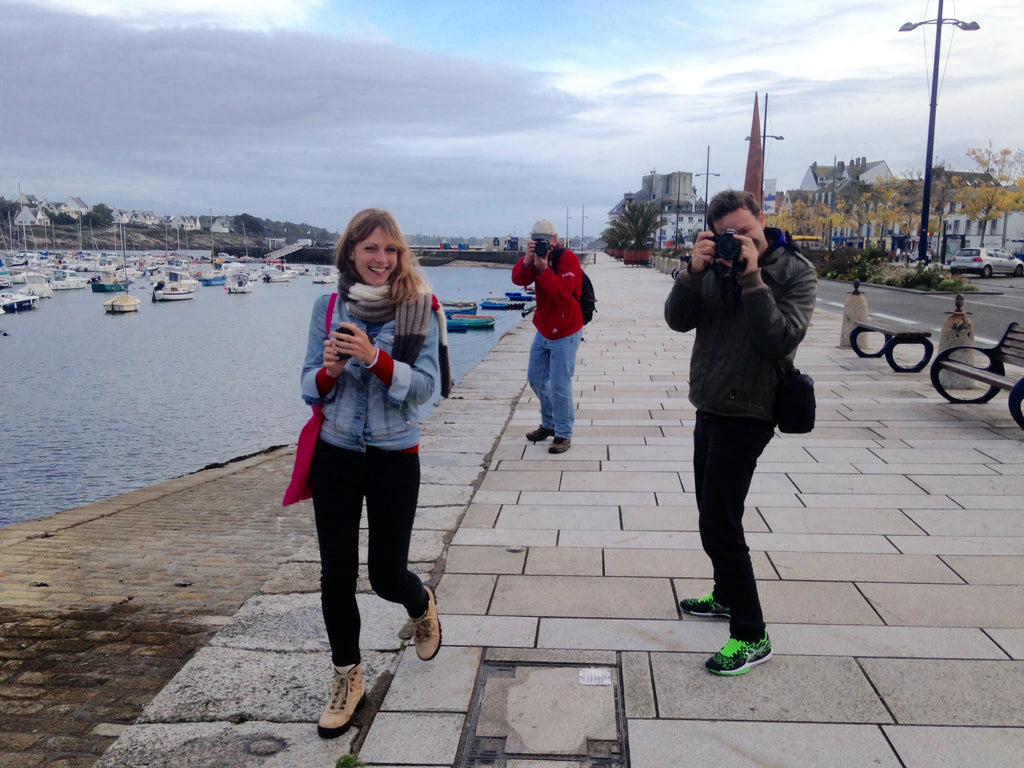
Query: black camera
x=728, y=248
x=541, y=247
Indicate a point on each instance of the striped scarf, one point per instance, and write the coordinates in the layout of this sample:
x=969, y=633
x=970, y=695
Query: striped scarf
x=412, y=321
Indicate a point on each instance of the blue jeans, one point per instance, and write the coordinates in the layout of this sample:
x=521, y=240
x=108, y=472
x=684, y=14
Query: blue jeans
x=552, y=364
x=725, y=454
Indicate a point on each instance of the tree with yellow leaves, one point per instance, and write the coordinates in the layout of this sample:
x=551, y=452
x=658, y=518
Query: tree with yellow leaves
x=995, y=189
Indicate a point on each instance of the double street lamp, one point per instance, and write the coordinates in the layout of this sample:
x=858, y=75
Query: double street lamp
x=966, y=26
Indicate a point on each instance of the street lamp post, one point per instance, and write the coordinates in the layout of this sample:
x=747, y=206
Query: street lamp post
x=706, y=174
x=966, y=26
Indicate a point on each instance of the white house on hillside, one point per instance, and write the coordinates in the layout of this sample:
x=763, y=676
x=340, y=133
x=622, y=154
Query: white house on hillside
x=74, y=207
x=31, y=217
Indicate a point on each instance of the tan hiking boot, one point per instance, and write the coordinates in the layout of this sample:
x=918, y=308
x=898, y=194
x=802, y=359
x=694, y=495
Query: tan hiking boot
x=347, y=693
x=426, y=630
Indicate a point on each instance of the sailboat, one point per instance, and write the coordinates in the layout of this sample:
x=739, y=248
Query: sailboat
x=124, y=302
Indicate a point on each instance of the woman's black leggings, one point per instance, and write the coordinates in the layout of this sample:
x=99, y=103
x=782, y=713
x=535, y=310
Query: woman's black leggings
x=389, y=482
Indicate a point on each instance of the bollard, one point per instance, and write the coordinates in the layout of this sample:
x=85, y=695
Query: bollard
x=958, y=331
x=855, y=310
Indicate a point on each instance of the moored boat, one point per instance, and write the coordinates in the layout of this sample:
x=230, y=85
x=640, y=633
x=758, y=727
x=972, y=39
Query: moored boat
x=67, y=280
x=520, y=295
x=465, y=322
x=15, y=301
x=458, y=307
x=121, y=304
x=176, y=286
x=239, y=282
x=502, y=304
x=36, y=284
x=218, y=278
x=109, y=282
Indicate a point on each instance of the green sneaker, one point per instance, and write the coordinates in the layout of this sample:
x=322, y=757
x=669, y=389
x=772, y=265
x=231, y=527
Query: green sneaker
x=705, y=606
x=738, y=656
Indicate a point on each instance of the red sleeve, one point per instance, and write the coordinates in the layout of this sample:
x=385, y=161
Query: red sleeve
x=383, y=367
x=325, y=382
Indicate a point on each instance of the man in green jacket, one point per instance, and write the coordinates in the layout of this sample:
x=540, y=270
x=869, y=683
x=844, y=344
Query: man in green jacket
x=749, y=294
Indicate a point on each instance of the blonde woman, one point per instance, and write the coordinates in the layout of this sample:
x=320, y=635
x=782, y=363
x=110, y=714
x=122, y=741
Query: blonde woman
x=384, y=357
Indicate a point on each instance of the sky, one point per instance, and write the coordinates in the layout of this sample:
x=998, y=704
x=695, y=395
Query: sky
x=478, y=118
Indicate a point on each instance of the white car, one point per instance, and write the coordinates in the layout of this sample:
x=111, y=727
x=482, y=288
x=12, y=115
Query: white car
x=986, y=262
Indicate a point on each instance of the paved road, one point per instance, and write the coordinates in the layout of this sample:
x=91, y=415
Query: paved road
x=998, y=302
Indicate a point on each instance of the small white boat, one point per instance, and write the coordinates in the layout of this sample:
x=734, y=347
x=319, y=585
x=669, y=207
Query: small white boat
x=67, y=280
x=122, y=303
x=324, y=275
x=239, y=282
x=36, y=284
x=175, y=286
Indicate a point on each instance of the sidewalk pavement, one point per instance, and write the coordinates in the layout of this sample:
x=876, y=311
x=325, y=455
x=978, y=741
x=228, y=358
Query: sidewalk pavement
x=887, y=543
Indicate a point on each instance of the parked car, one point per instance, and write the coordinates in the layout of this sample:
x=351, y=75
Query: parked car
x=986, y=262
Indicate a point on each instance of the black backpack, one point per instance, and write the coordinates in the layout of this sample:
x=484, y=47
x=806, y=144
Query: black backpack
x=587, y=297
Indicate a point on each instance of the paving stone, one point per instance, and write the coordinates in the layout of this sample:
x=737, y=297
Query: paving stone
x=569, y=596
x=937, y=747
x=656, y=744
x=932, y=605
x=258, y=745
x=489, y=631
x=688, y=563
x=413, y=739
x=840, y=521
x=465, y=593
x=950, y=692
x=528, y=517
x=229, y=684
x=839, y=566
x=787, y=688
x=443, y=684
x=1010, y=640
x=560, y=561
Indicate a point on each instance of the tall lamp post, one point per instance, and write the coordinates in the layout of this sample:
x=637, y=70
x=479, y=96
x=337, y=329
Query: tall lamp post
x=706, y=174
x=966, y=26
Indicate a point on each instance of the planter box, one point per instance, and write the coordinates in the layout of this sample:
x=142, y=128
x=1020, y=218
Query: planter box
x=636, y=258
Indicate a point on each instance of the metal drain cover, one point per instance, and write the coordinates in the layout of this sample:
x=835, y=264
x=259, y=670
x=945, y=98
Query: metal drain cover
x=558, y=715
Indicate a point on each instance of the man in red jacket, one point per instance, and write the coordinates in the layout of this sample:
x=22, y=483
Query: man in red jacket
x=558, y=277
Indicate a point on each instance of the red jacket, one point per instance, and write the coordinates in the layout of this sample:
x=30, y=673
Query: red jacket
x=558, y=311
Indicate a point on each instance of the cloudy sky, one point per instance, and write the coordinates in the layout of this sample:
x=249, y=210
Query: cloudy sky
x=477, y=118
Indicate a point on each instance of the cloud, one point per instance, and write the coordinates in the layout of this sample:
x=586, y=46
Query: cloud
x=469, y=119
x=155, y=14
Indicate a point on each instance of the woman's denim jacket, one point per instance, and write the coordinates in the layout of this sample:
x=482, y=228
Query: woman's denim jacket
x=360, y=411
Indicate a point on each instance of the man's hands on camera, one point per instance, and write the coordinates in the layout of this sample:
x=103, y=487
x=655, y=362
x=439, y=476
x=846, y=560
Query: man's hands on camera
x=540, y=263
x=705, y=253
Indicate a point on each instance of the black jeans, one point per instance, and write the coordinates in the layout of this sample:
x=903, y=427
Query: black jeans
x=390, y=482
x=725, y=453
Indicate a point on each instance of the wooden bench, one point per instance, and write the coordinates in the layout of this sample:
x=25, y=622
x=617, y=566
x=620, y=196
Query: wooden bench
x=895, y=335
x=1010, y=349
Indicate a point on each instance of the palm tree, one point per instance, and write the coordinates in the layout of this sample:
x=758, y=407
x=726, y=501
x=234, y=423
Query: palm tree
x=634, y=225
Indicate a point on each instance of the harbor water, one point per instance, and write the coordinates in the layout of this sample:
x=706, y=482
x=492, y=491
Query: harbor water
x=93, y=405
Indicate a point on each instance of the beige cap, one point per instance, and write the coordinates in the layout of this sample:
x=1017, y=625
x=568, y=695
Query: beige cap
x=545, y=229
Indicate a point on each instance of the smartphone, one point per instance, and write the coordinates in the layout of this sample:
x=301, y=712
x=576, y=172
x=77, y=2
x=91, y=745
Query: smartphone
x=347, y=332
